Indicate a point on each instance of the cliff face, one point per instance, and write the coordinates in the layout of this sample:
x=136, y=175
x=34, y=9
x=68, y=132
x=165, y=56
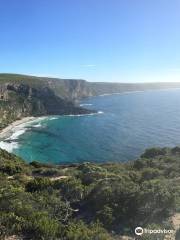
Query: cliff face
x=70, y=89
x=23, y=99
x=22, y=95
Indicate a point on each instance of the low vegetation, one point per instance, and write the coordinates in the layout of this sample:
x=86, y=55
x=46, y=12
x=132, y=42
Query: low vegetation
x=89, y=201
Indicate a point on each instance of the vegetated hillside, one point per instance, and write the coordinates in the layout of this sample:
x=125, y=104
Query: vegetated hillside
x=89, y=201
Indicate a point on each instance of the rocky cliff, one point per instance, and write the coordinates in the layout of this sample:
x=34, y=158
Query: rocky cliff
x=22, y=95
x=35, y=97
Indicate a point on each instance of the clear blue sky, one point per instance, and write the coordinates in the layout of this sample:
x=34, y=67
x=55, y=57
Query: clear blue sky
x=97, y=40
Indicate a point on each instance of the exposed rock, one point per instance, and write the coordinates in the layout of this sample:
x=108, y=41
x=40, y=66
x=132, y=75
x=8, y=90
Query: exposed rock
x=22, y=99
x=22, y=95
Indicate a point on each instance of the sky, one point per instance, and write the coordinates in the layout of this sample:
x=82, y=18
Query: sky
x=96, y=40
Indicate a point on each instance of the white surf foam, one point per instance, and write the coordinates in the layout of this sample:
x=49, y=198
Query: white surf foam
x=10, y=143
x=119, y=93
x=8, y=146
x=85, y=104
x=37, y=125
x=53, y=118
x=82, y=115
x=17, y=133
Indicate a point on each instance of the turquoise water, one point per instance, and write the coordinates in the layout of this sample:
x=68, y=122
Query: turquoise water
x=129, y=124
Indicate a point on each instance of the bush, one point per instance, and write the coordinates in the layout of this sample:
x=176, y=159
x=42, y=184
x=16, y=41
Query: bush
x=41, y=226
x=106, y=217
x=150, y=173
x=153, y=152
x=10, y=168
x=175, y=150
x=36, y=164
x=38, y=184
x=10, y=224
x=72, y=189
x=80, y=231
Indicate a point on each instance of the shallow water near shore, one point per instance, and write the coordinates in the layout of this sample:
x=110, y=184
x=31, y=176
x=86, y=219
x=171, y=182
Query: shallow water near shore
x=126, y=125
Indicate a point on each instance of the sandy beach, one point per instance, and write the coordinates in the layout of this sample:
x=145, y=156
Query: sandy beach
x=6, y=132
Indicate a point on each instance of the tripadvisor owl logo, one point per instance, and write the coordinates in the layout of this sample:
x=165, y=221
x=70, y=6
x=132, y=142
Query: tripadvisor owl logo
x=139, y=231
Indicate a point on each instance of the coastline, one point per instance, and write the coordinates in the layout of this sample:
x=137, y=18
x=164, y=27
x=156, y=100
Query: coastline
x=7, y=131
x=15, y=136
x=138, y=91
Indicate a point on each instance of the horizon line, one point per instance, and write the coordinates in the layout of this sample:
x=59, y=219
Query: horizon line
x=82, y=79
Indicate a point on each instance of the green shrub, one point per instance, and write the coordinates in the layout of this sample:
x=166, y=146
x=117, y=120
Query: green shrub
x=175, y=150
x=80, y=231
x=41, y=226
x=11, y=224
x=10, y=169
x=153, y=152
x=72, y=189
x=150, y=173
x=38, y=184
x=106, y=216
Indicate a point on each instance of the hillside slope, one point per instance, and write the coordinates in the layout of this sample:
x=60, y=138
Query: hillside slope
x=96, y=201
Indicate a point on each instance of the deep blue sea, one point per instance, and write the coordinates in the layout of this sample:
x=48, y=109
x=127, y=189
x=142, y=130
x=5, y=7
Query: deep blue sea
x=130, y=123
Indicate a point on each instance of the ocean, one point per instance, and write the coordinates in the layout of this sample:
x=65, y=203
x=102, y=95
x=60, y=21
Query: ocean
x=125, y=125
